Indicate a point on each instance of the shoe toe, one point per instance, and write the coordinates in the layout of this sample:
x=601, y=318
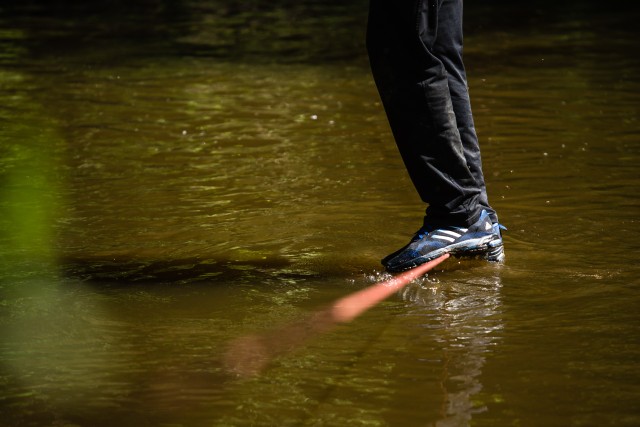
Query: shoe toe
x=410, y=256
x=401, y=260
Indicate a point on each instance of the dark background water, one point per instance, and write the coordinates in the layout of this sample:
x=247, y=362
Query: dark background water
x=175, y=175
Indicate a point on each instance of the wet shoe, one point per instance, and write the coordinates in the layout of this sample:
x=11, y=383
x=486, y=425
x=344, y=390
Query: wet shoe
x=482, y=239
x=496, y=248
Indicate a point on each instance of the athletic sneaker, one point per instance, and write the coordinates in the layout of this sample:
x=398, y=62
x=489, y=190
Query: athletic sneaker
x=482, y=239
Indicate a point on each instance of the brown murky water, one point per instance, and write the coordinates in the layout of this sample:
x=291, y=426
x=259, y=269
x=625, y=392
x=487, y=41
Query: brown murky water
x=174, y=178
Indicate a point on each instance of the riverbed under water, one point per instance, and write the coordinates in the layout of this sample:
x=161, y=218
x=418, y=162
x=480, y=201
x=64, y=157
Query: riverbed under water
x=175, y=178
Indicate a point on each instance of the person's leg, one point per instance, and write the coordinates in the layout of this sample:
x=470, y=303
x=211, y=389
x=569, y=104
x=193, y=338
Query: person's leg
x=448, y=48
x=414, y=88
x=410, y=54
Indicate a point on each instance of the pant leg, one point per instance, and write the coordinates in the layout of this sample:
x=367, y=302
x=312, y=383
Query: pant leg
x=414, y=88
x=448, y=47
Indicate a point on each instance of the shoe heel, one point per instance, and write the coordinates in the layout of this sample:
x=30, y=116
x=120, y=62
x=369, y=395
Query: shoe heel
x=495, y=254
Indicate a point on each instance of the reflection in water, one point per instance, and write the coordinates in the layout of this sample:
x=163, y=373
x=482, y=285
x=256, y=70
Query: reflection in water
x=464, y=314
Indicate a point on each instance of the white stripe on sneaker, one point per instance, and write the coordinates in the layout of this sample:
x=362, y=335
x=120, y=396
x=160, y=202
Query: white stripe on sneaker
x=446, y=238
x=450, y=233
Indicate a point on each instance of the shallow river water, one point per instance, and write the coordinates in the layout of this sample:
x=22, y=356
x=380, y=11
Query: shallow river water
x=175, y=176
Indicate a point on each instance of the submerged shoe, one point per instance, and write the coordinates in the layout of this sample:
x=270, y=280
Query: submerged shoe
x=482, y=239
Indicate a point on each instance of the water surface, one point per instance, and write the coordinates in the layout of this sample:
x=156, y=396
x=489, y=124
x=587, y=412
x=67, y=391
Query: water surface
x=174, y=178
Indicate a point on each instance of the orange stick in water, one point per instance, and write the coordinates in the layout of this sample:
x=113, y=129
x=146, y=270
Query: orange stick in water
x=348, y=308
x=249, y=355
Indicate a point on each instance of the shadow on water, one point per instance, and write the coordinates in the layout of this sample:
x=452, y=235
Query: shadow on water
x=175, y=271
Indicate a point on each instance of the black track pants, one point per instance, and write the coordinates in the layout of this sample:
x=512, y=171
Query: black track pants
x=415, y=51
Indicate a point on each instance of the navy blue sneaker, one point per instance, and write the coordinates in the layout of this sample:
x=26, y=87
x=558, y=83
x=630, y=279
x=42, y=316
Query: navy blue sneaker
x=482, y=239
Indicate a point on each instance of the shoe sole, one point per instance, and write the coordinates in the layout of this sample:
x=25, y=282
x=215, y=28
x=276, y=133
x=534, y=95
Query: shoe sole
x=487, y=247
x=494, y=253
